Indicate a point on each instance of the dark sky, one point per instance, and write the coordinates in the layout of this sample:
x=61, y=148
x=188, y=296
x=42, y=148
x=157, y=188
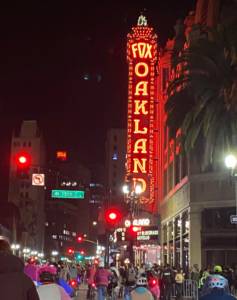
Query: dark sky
x=49, y=48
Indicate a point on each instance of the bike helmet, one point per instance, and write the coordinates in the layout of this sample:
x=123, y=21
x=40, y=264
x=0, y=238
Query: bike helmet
x=142, y=281
x=217, y=269
x=47, y=273
x=215, y=281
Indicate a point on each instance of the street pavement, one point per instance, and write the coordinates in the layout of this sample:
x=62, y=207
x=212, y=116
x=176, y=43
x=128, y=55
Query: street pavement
x=82, y=292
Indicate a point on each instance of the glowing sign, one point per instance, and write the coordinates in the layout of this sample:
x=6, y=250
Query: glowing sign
x=68, y=194
x=61, y=155
x=137, y=222
x=142, y=58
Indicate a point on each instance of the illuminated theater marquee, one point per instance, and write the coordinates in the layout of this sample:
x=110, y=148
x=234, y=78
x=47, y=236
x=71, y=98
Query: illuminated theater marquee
x=142, y=57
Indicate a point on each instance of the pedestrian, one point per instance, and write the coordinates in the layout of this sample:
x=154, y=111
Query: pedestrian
x=14, y=283
x=130, y=280
x=167, y=281
x=102, y=281
x=179, y=279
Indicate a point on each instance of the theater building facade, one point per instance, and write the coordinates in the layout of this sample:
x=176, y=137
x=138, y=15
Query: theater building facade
x=192, y=207
x=195, y=206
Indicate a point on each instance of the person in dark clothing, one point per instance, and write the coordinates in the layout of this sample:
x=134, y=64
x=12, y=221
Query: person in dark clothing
x=14, y=284
x=167, y=277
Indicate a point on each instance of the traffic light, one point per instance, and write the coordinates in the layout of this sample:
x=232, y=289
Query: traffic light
x=79, y=239
x=70, y=251
x=112, y=216
x=131, y=232
x=23, y=160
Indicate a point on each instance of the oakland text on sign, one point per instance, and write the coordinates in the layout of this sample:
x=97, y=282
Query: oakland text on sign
x=142, y=56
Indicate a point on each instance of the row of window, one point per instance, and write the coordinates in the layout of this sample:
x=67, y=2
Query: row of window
x=24, y=144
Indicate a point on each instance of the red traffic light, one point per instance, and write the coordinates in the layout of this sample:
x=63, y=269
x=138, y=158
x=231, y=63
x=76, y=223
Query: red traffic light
x=82, y=252
x=112, y=216
x=70, y=251
x=23, y=160
x=79, y=239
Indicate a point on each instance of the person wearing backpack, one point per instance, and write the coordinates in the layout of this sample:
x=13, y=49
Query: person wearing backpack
x=130, y=280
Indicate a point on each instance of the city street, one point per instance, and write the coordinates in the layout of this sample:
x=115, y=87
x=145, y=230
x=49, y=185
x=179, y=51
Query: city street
x=82, y=293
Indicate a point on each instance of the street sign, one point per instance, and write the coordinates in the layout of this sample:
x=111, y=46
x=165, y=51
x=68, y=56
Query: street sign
x=38, y=179
x=233, y=219
x=68, y=194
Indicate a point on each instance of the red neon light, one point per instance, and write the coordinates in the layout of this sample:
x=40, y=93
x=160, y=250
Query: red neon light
x=142, y=58
x=61, y=155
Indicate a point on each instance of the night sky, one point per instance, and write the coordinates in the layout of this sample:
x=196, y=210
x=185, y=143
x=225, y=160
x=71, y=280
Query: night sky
x=64, y=64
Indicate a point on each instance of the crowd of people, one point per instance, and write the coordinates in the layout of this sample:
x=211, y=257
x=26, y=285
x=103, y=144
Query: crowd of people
x=52, y=281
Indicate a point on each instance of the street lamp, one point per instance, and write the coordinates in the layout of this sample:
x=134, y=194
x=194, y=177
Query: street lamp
x=132, y=191
x=132, y=194
x=231, y=163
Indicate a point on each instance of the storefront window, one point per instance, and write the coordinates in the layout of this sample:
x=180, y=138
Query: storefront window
x=177, y=227
x=185, y=220
x=171, y=231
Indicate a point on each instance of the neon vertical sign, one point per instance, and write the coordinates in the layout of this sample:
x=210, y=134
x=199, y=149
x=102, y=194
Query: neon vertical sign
x=142, y=58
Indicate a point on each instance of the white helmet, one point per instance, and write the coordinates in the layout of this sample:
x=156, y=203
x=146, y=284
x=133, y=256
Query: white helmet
x=142, y=281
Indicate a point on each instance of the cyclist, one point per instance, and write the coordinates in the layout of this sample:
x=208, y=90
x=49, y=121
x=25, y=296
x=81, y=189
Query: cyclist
x=141, y=291
x=216, y=288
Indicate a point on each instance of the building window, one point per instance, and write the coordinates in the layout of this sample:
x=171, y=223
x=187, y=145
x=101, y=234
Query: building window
x=165, y=78
x=54, y=236
x=24, y=144
x=29, y=144
x=115, y=138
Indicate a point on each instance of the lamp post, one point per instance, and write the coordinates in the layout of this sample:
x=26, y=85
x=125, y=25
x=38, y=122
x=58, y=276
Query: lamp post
x=231, y=163
x=132, y=194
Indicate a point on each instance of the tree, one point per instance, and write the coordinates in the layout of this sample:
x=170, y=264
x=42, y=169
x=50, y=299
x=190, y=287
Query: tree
x=202, y=99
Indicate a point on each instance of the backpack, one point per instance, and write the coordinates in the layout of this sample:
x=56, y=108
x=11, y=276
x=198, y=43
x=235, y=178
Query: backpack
x=131, y=275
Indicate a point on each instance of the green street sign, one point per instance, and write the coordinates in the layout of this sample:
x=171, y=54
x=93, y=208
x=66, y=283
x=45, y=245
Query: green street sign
x=68, y=194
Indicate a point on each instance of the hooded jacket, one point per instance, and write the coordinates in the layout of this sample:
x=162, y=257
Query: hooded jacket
x=14, y=284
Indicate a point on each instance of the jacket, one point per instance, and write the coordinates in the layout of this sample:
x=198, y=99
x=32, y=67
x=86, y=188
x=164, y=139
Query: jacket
x=217, y=294
x=52, y=291
x=102, y=277
x=14, y=284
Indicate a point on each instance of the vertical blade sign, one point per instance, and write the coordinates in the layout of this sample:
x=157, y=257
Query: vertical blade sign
x=142, y=59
